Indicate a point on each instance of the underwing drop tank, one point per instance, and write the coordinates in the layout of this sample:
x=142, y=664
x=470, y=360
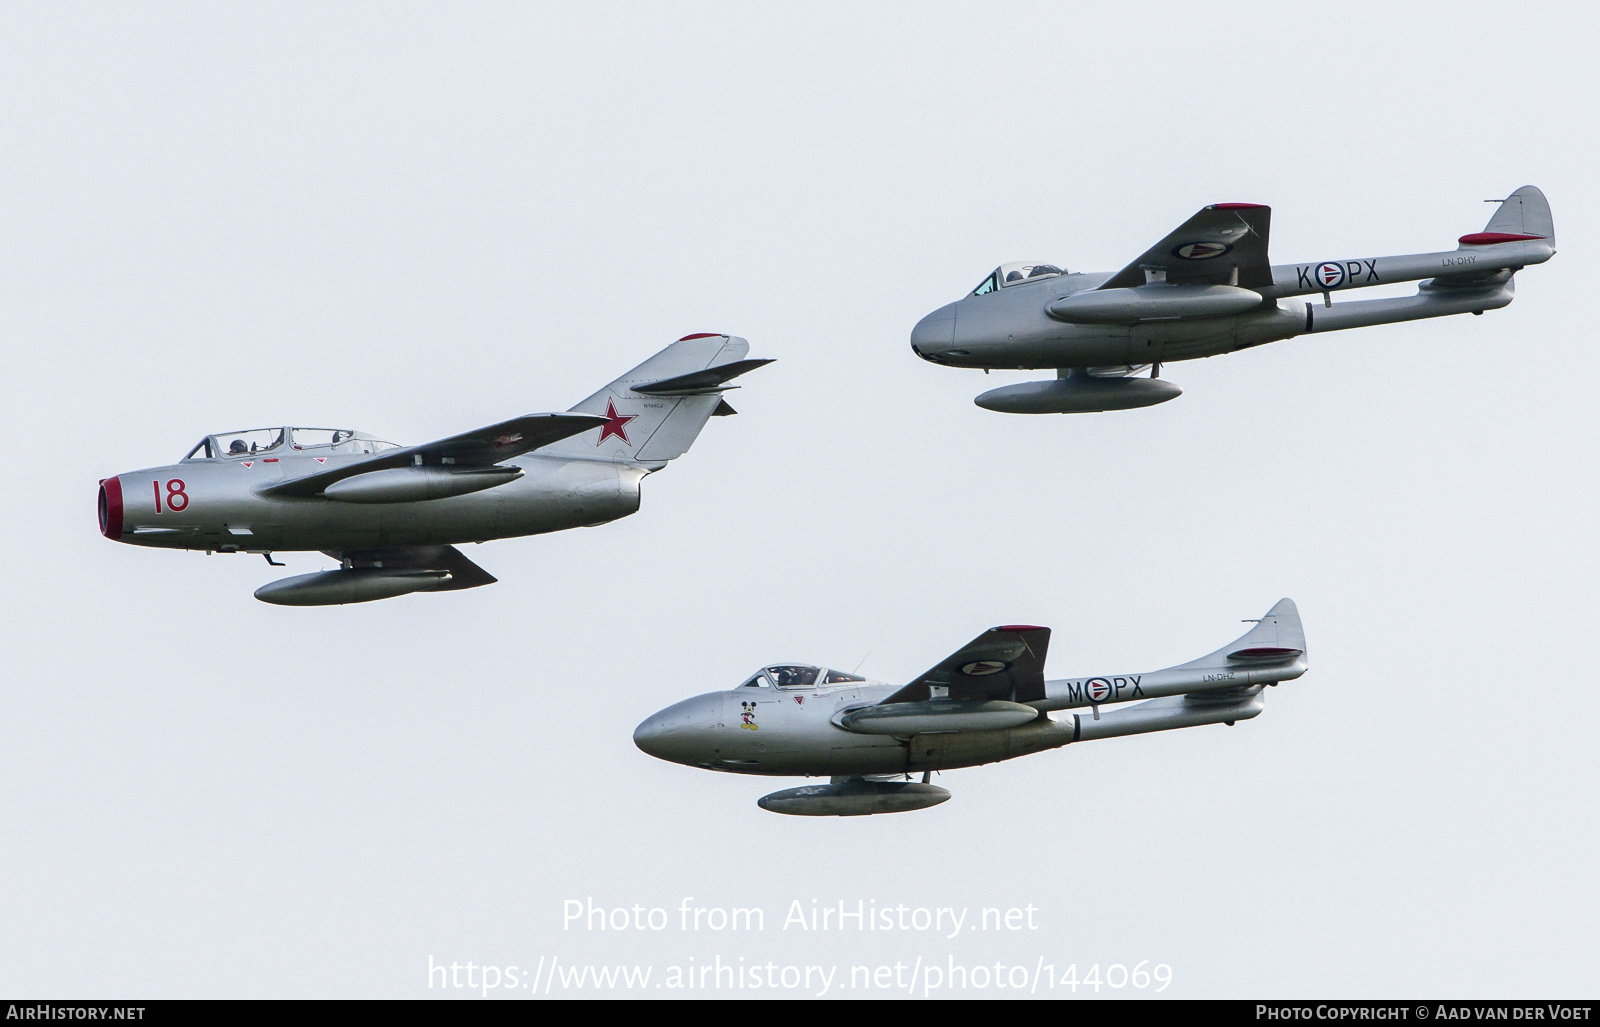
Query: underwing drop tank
x=359, y=585
x=1078, y=393
x=853, y=798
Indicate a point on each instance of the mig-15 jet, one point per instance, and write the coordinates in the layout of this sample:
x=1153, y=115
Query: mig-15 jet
x=986, y=702
x=393, y=515
x=1207, y=288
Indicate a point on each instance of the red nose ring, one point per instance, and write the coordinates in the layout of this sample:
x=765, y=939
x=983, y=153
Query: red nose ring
x=111, y=508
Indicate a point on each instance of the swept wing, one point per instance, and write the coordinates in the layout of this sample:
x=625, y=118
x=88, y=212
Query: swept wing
x=1002, y=663
x=1208, y=249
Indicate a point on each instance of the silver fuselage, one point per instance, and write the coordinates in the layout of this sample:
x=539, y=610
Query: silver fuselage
x=221, y=510
x=775, y=731
x=1012, y=326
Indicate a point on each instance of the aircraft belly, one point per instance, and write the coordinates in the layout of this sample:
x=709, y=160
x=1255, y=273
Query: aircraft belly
x=972, y=748
x=820, y=759
x=1184, y=340
x=1079, y=346
x=1208, y=337
x=573, y=494
x=1058, y=345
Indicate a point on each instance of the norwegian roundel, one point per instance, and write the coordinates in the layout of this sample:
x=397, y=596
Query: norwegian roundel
x=979, y=668
x=1097, y=689
x=1201, y=250
x=1330, y=275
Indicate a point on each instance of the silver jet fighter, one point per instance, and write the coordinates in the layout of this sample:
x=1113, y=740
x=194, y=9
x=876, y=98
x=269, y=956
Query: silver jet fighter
x=1207, y=288
x=988, y=701
x=392, y=515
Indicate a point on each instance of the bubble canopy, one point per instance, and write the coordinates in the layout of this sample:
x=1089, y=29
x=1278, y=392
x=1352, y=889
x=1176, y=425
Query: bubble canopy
x=799, y=675
x=1016, y=273
x=281, y=441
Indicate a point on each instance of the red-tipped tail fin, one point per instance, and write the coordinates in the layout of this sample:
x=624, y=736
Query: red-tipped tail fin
x=1521, y=217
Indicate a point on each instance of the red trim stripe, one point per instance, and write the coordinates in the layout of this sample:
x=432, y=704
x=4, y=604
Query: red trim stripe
x=700, y=335
x=1019, y=627
x=1238, y=206
x=1489, y=238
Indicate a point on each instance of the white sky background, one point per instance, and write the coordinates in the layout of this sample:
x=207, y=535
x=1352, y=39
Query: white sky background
x=417, y=220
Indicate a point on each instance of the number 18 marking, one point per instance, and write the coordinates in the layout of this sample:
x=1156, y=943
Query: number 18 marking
x=177, y=498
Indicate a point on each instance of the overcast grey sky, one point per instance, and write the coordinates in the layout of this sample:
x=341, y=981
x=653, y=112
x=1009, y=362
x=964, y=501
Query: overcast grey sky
x=418, y=219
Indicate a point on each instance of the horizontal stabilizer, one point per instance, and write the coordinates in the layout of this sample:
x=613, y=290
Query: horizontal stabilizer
x=699, y=383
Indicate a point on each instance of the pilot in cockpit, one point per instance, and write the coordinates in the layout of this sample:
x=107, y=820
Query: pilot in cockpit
x=237, y=447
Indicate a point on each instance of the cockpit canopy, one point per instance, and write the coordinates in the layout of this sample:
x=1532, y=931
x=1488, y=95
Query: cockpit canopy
x=798, y=675
x=1007, y=275
x=324, y=441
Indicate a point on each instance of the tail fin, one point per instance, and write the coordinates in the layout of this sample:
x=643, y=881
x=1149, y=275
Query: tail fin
x=1277, y=638
x=656, y=410
x=1523, y=215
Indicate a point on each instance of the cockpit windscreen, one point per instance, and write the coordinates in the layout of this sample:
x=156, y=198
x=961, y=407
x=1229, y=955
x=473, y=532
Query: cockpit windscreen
x=792, y=675
x=1007, y=275
x=244, y=443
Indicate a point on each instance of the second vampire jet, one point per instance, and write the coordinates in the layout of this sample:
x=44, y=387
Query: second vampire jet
x=986, y=702
x=392, y=515
x=1207, y=288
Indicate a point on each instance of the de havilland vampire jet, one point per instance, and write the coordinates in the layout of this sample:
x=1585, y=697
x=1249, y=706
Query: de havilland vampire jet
x=1207, y=288
x=392, y=515
x=988, y=701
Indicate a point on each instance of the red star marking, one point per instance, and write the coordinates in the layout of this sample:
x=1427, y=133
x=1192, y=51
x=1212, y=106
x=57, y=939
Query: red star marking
x=616, y=424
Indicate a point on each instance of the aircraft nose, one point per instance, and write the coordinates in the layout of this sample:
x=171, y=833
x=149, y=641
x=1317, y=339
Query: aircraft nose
x=680, y=732
x=935, y=333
